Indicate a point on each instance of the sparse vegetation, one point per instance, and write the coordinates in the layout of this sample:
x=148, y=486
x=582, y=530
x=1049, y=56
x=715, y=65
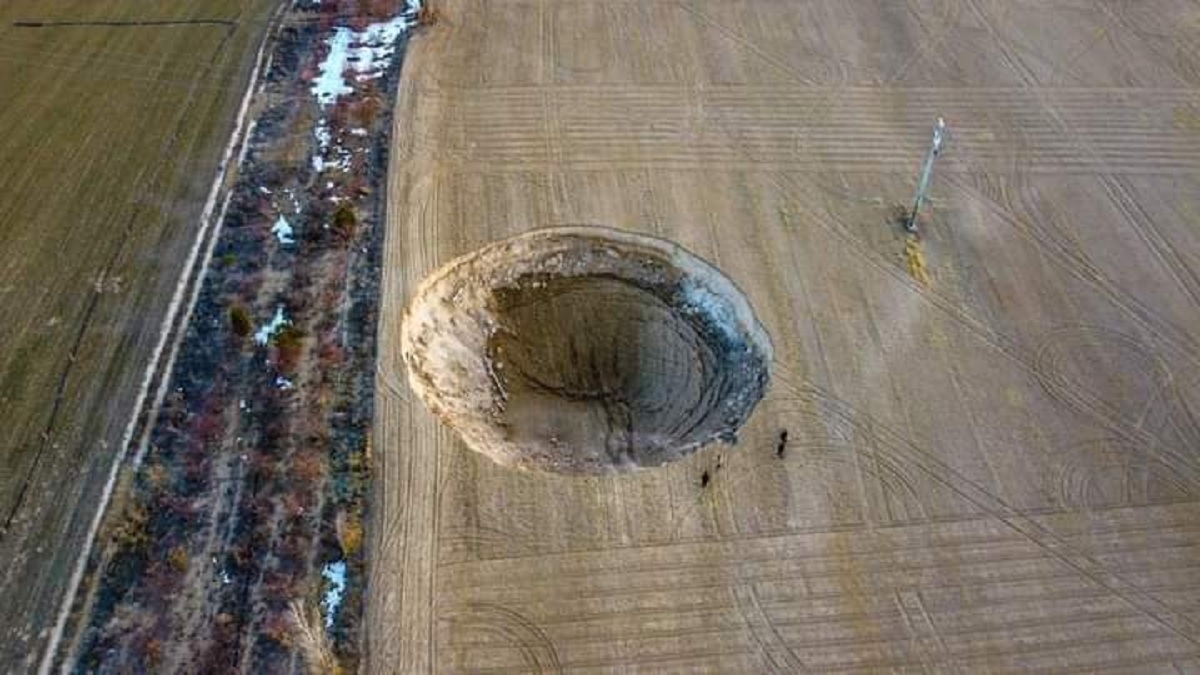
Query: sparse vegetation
x=256, y=464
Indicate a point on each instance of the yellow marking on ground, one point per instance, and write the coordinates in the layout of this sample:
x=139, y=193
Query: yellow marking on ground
x=914, y=259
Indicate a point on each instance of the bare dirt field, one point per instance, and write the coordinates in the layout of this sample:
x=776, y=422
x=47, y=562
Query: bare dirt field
x=112, y=132
x=979, y=456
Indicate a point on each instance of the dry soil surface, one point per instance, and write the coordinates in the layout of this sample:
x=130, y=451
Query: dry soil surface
x=979, y=451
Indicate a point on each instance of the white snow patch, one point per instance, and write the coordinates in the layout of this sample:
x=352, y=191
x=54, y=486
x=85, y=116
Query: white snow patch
x=329, y=155
x=331, y=84
x=283, y=383
x=264, y=190
x=264, y=334
x=335, y=574
x=367, y=52
x=324, y=137
x=700, y=299
x=322, y=133
x=376, y=45
x=283, y=231
x=358, y=131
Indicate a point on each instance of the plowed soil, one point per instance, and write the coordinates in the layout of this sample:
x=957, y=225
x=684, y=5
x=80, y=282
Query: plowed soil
x=979, y=449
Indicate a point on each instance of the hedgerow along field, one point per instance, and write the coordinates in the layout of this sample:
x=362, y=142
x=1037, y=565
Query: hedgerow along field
x=115, y=115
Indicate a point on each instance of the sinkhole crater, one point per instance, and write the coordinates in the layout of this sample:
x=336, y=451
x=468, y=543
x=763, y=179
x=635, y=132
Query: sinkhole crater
x=585, y=350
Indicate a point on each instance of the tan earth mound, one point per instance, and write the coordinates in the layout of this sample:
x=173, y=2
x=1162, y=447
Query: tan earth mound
x=585, y=350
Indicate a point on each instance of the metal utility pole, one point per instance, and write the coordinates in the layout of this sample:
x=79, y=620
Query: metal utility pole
x=939, y=135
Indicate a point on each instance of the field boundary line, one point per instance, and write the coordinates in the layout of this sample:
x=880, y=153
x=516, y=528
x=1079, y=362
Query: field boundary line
x=38, y=23
x=208, y=231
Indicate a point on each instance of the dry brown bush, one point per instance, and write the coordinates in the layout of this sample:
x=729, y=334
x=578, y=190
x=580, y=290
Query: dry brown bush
x=178, y=559
x=239, y=321
x=350, y=533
